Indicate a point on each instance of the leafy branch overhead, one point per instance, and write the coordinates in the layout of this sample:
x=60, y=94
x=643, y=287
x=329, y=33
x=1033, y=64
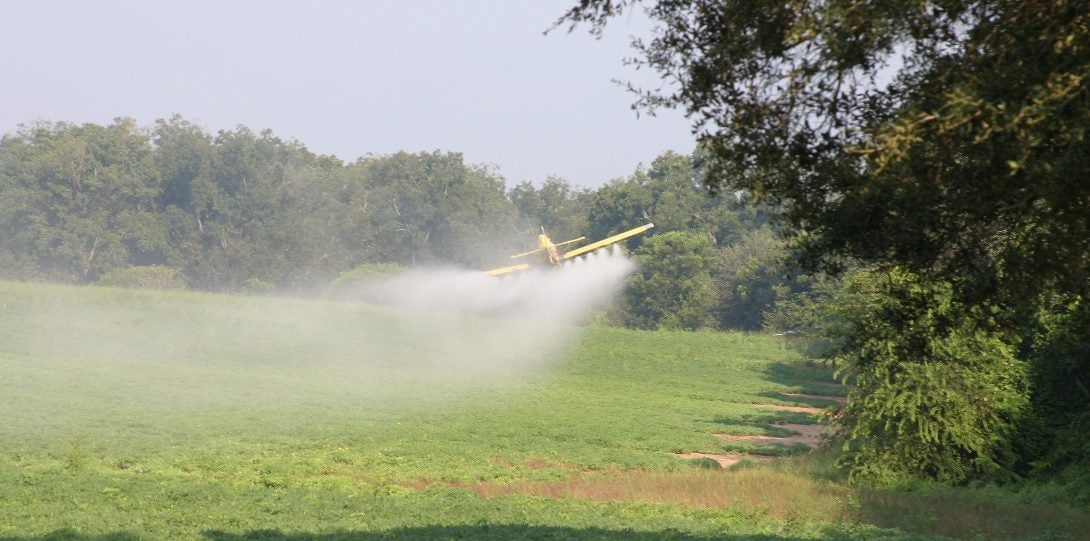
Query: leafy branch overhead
x=942, y=147
x=946, y=136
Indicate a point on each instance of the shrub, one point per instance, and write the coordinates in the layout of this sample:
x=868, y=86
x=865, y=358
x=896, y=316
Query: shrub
x=144, y=277
x=256, y=286
x=357, y=283
x=672, y=288
x=937, y=395
x=1053, y=439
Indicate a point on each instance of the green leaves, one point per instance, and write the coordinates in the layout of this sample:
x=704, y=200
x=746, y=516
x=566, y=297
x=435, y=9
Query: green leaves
x=78, y=194
x=239, y=207
x=936, y=394
x=944, y=143
x=673, y=287
x=429, y=208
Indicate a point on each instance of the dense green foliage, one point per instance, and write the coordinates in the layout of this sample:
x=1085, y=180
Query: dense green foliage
x=174, y=206
x=945, y=141
x=937, y=395
x=308, y=419
x=555, y=207
x=84, y=201
x=673, y=288
x=717, y=262
x=147, y=277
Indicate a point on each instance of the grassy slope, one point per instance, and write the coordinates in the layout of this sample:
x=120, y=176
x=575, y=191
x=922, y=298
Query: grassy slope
x=155, y=415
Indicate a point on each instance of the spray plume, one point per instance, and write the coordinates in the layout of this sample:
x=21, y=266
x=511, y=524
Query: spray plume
x=86, y=360
x=509, y=323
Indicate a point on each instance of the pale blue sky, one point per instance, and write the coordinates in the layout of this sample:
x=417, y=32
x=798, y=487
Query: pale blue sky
x=346, y=78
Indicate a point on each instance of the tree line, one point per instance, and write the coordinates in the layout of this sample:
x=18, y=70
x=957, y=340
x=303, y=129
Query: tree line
x=172, y=205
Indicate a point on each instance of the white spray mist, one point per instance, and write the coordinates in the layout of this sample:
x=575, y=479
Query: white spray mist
x=508, y=323
x=98, y=361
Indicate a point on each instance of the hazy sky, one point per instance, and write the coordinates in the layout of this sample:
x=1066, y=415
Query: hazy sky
x=346, y=78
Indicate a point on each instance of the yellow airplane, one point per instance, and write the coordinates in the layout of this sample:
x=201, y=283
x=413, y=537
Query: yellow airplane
x=555, y=257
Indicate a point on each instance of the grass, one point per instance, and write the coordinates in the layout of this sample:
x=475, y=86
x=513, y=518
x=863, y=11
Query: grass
x=151, y=415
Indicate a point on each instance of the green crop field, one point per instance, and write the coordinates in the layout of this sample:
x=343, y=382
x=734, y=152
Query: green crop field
x=152, y=415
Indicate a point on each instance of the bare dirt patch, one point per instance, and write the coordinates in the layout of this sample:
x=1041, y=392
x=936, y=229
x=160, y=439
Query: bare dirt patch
x=808, y=435
x=797, y=409
x=724, y=460
x=837, y=399
x=751, y=489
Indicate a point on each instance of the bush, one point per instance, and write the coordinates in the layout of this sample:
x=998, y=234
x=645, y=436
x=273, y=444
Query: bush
x=144, y=277
x=802, y=316
x=256, y=286
x=357, y=283
x=747, y=276
x=1053, y=439
x=937, y=395
x=672, y=288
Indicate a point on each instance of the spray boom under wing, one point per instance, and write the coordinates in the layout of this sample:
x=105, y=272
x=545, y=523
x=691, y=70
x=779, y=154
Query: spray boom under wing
x=608, y=241
x=555, y=257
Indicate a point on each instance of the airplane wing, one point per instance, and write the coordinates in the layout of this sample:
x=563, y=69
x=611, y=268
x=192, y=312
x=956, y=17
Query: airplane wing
x=506, y=270
x=549, y=247
x=606, y=241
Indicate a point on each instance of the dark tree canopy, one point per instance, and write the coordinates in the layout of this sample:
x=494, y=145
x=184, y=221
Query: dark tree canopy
x=941, y=144
x=948, y=136
x=172, y=206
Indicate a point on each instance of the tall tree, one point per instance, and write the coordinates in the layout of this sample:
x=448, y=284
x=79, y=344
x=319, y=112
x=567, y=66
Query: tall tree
x=82, y=199
x=673, y=287
x=431, y=207
x=943, y=140
x=556, y=206
x=947, y=136
x=750, y=277
x=669, y=193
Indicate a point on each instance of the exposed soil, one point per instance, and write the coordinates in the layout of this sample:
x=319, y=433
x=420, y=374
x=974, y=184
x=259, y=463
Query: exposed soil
x=725, y=460
x=751, y=490
x=837, y=399
x=808, y=435
x=796, y=409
